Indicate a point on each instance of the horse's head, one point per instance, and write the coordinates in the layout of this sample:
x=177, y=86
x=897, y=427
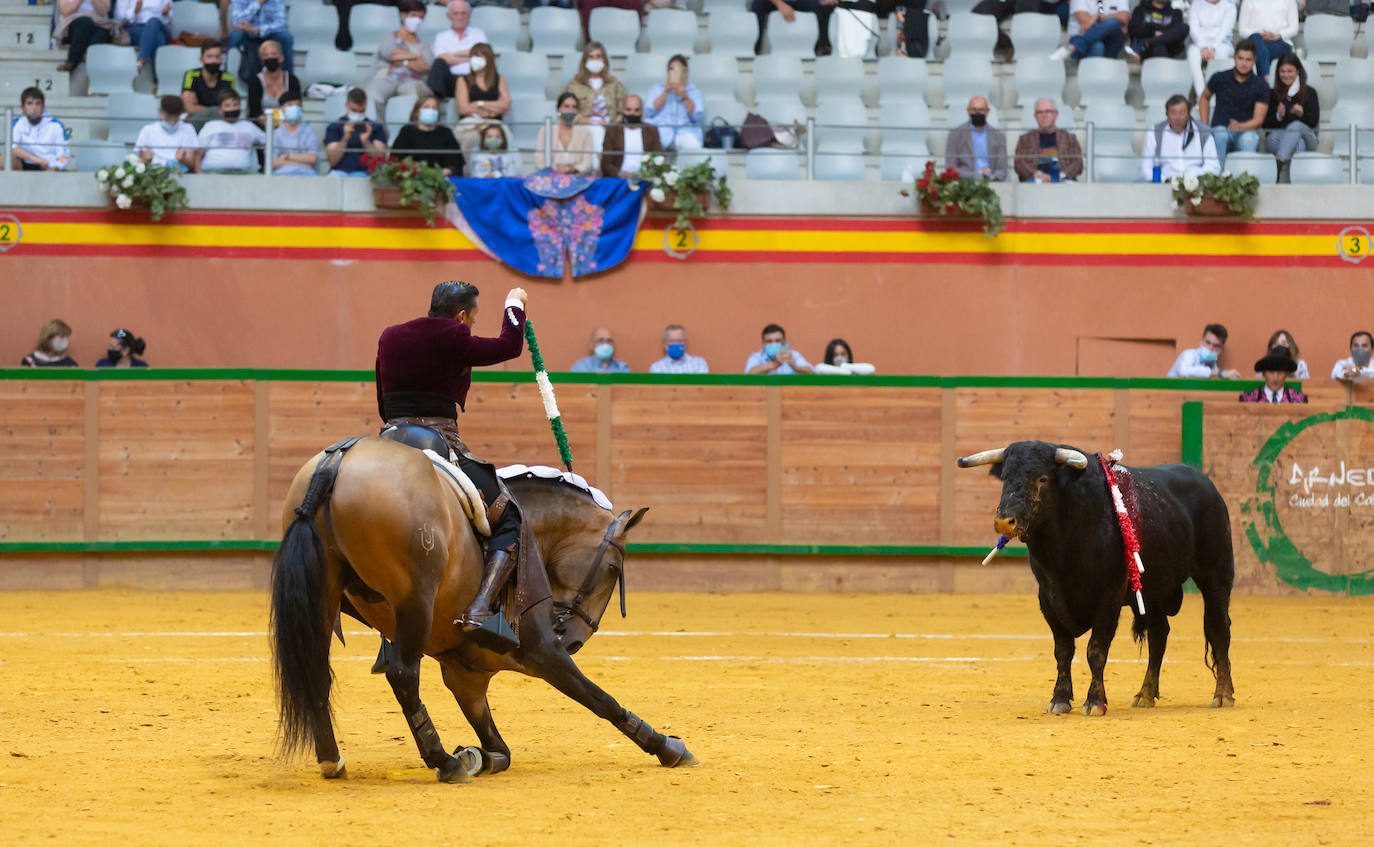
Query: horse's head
x=588, y=566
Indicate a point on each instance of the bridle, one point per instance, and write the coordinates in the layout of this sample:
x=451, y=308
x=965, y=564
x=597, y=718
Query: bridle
x=566, y=610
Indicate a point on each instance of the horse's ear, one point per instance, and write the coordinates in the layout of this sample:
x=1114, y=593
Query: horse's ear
x=633, y=521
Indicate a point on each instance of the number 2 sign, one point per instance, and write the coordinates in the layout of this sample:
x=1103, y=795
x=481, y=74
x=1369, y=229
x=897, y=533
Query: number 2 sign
x=10, y=232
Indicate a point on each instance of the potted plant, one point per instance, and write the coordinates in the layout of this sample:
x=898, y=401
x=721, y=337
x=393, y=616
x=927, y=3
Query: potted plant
x=946, y=193
x=685, y=192
x=135, y=183
x=407, y=184
x=1215, y=195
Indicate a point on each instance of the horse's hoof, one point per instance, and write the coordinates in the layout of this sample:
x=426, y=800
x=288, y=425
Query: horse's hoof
x=1142, y=701
x=333, y=770
x=1094, y=710
x=675, y=754
x=1059, y=707
x=1222, y=701
x=453, y=771
x=470, y=759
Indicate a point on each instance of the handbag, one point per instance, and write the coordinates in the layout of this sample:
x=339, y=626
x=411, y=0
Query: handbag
x=1359, y=12
x=756, y=132
x=721, y=135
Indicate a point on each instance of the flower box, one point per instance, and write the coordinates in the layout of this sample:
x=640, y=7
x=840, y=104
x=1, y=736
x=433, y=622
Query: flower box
x=389, y=197
x=1210, y=207
x=393, y=178
x=665, y=209
x=930, y=210
x=943, y=194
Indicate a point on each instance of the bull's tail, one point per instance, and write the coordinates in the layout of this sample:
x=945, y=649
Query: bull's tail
x=1138, y=629
x=300, y=637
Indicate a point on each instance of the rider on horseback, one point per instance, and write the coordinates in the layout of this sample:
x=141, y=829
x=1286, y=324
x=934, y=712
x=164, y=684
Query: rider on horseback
x=424, y=371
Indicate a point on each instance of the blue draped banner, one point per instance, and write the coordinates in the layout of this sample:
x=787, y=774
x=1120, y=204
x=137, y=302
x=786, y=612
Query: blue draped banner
x=539, y=223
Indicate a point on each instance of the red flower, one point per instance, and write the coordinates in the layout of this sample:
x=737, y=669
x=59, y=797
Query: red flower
x=950, y=173
x=949, y=207
x=930, y=167
x=923, y=183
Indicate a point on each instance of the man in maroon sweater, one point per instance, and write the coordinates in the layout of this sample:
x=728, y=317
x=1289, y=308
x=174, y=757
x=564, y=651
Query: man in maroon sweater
x=424, y=371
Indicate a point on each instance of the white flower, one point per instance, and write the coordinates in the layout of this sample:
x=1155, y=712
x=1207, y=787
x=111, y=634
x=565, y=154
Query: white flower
x=131, y=158
x=124, y=201
x=140, y=168
x=671, y=178
x=657, y=195
x=128, y=182
x=1197, y=201
x=1178, y=204
x=102, y=175
x=1226, y=174
x=1190, y=182
x=658, y=160
x=1175, y=181
x=658, y=180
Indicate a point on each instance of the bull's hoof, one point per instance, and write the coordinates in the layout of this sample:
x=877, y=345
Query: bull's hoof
x=453, y=771
x=333, y=770
x=1059, y=707
x=1223, y=701
x=1143, y=701
x=675, y=754
x=1094, y=710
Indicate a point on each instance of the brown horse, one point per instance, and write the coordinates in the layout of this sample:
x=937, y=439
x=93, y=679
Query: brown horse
x=374, y=530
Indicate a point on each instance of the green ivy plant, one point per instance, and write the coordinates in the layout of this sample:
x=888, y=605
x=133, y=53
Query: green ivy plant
x=947, y=192
x=422, y=185
x=135, y=182
x=1237, y=192
x=683, y=185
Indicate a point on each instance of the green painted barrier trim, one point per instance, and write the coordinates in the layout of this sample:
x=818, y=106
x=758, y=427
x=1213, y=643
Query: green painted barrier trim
x=1191, y=433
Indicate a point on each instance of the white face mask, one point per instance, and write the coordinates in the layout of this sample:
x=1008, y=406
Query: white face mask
x=413, y=23
x=478, y=64
x=58, y=344
x=840, y=360
x=356, y=117
x=595, y=66
x=1295, y=87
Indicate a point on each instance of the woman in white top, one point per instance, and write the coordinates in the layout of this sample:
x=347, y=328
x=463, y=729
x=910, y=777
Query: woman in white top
x=571, y=143
x=1211, y=25
x=402, y=60
x=1271, y=25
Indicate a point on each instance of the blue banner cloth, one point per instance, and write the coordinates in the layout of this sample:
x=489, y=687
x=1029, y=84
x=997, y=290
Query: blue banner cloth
x=538, y=223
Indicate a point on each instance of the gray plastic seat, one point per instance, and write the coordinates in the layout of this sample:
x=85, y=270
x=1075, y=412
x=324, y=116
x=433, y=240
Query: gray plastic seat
x=1035, y=35
x=501, y=24
x=777, y=75
x=772, y=163
x=1116, y=167
x=971, y=34
x=1162, y=78
x=201, y=18
x=1328, y=38
x=127, y=112
x=965, y=76
x=842, y=125
x=840, y=167
x=553, y=30
x=369, y=23
x=732, y=32
x=1261, y=165
x=671, y=31
x=314, y=26
x=838, y=77
x=111, y=68
x=616, y=29
x=172, y=61
x=330, y=66
x=903, y=78
x=796, y=39
x=93, y=155
x=1316, y=169
x=1102, y=80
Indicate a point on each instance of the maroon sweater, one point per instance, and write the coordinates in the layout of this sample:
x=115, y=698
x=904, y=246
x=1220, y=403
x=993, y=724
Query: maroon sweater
x=424, y=366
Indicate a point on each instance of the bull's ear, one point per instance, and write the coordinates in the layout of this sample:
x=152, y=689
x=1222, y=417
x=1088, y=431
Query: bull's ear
x=633, y=521
x=995, y=470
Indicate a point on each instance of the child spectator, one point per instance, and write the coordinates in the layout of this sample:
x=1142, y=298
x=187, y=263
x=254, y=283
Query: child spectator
x=40, y=141
x=295, y=147
x=169, y=140
x=227, y=144
x=493, y=159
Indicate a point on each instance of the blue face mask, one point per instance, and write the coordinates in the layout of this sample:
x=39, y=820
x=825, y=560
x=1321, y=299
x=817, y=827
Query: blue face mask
x=292, y=113
x=1207, y=357
x=677, y=351
x=603, y=351
x=169, y=127
x=429, y=116
x=772, y=350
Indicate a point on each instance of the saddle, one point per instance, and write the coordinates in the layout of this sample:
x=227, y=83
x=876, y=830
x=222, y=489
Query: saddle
x=436, y=448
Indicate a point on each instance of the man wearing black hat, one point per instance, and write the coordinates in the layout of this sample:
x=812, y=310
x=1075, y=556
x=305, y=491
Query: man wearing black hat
x=1275, y=367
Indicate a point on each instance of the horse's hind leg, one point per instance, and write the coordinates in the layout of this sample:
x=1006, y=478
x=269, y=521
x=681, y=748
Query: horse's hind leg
x=470, y=690
x=413, y=621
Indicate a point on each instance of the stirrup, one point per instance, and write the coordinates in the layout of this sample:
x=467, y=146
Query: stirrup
x=491, y=631
x=383, y=657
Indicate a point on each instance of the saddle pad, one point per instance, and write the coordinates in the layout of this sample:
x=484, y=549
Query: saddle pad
x=471, y=500
x=546, y=472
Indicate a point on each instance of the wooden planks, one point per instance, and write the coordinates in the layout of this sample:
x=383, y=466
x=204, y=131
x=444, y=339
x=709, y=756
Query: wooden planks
x=42, y=460
x=303, y=419
x=505, y=424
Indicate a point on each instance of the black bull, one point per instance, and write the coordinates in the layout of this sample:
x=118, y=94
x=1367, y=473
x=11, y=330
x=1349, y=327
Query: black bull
x=1056, y=500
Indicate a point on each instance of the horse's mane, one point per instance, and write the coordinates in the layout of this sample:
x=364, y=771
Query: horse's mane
x=563, y=480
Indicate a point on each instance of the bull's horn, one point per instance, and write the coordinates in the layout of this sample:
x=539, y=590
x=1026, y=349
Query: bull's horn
x=987, y=457
x=1072, y=458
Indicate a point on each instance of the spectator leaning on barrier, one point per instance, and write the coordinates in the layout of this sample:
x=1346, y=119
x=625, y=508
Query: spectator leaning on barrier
x=1156, y=29
x=402, y=60
x=1177, y=146
x=602, y=360
x=1356, y=368
x=1276, y=367
x=1096, y=28
x=1210, y=26
x=295, y=147
x=452, y=48
x=977, y=148
x=1242, y=99
x=51, y=350
x=202, y=86
x=822, y=9
x=1201, y=362
x=425, y=140
x=1292, y=116
x=352, y=135
x=228, y=144
x=251, y=22
x=777, y=355
x=149, y=24
x=492, y=159
x=81, y=23
x=626, y=143
x=124, y=350
x=269, y=86
x=678, y=360
x=169, y=140
x=677, y=108
x=1047, y=153
x=40, y=141
x=1284, y=338
x=839, y=361
x=1271, y=26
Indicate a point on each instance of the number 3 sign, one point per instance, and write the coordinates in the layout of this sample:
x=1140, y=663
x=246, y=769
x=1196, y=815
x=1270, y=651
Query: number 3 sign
x=1354, y=244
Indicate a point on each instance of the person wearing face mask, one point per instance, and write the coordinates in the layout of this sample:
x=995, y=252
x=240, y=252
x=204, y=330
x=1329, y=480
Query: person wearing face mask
x=252, y=22
x=839, y=361
x=402, y=59
x=51, y=351
x=976, y=148
x=777, y=355
x=148, y=23
x=1210, y=26
x=600, y=96
x=170, y=140
x=482, y=96
x=1356, y=367
x=1293, y=114
x=227, y=144
x=295, y=147
x=493, y=159
x=39, y=141
x=352, y=135
x=628, y=142
x=124, y=350
x=268, y=87
x=453, y=49
x=602, y=359
x=571, y=143
x=677, y=360
x=201, y=87
x=1201, y=362
x=424, y=140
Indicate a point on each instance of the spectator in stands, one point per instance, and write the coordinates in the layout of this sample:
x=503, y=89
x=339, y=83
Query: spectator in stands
x=1276, y=366
x=1356, y=367
x=602, y=359
x=1201, y=362
x=80, y=24
x=482, y=95
x=424, y=140
x=1178, y=145
x=452, y=48
x=1047, y=153
x=352, y=135
x=51, y=350
x=628, y=141
x=777, y=355
x=839, y=361
x=201, y=87
x=269, y=86
x=170, y=140
x=494, y=159
x=678, y=360
x=911, y=20
x=601, y=96
x=677, y=108
x=1270, y=26
x=822, y=9
x=1285, y=340
x=39, y=140
x=402, y=60
x=1210, y=25
x=571, y=143
x=1242, y=101
x=1157, y=29
x=252, y=22
x=124, y=350
x=1095, y=29
x=149, y=24
x=976, y=149
x=228, y=144
x=295, y=147
x=1292, y=116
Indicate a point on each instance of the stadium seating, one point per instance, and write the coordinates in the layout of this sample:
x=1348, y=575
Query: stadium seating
x=398, y=110
x=1162, y=78
x=1366, y=171
x=616, y=29
x=526, y=74
x=1328, y=38
x=172, y=61
x=777, y=75
x=971, y=34
x=1354, y=83
x=501, y=24
x=111, y=68
x=554, y=30
x=1101, y=79
x=1117, y=166
x=732, y=111
x=782, y=111
x=203, y=18
x=1345, y=113
x=837, y=77
x=846, y=167
x=1035, y=35
x=772, y=163
x=716, y=74
x=797, y=38
x=1317, y=169
x=965, y=76
x=644, y=70
x=719, y=159
x=369, y=23
x=92, y=155
x=525, y=118
x=314, y=27
x=1261, y=165
x=436, y=21
x=1114, y=127
x=126, y=113
x=732, y=32
x=842, y=126
x=330, y=66
x=1036, y=77
x=902, y=79
x=671, y=31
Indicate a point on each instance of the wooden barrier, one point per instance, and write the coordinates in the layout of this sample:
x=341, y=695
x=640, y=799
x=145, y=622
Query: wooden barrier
x=806, y=483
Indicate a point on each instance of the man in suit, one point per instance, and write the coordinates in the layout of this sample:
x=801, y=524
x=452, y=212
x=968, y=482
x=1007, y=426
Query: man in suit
x=976, y=149
x=1276, y=367
x=626, y=144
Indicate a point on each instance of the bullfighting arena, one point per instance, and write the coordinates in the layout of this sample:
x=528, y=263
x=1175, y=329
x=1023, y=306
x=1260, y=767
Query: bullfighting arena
x=138, y=717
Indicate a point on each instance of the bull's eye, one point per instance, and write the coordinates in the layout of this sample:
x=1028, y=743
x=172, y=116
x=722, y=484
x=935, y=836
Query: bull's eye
x=1041, y=480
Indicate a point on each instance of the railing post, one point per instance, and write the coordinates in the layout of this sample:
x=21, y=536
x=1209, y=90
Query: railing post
x=268, y=146
x=810, y=149
x=1089, y=138
x=1354, y=153
x=9, y=136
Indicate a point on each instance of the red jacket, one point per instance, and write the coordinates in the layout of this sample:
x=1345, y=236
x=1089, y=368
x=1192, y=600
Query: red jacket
x=424, y=366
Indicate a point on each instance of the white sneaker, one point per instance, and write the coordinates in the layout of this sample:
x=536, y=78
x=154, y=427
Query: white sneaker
x=1060, y=55
x=1130, y=52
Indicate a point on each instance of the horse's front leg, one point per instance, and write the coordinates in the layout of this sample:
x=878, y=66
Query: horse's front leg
x=469, y=688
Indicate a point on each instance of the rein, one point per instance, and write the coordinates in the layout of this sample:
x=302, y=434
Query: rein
x=566, y=610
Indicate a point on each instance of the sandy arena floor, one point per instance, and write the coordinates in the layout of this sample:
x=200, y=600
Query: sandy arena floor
x=143, y=718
